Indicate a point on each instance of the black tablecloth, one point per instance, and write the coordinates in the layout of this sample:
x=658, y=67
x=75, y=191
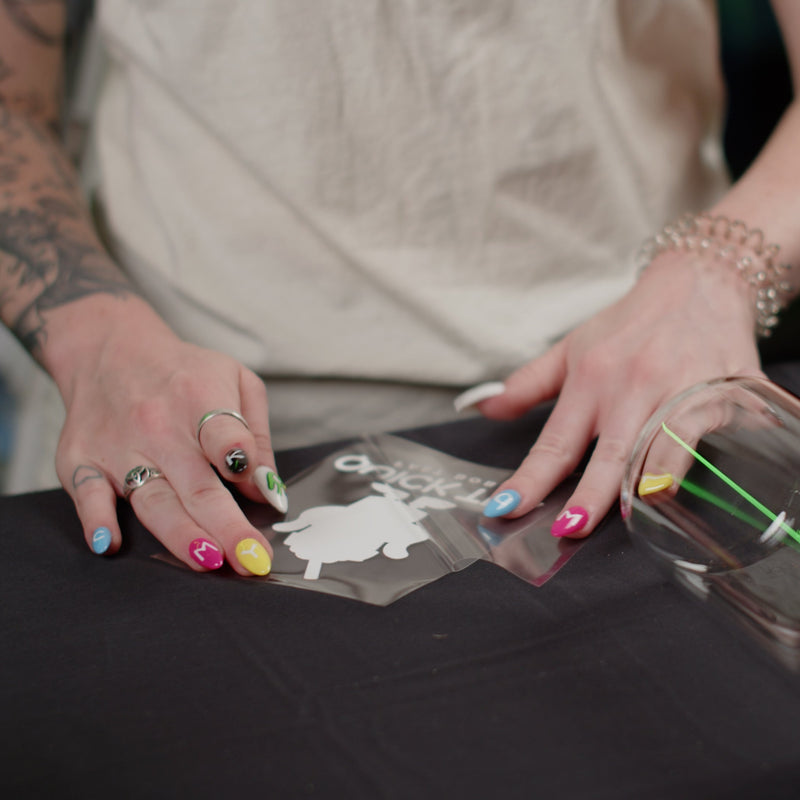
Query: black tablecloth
x=125, y=677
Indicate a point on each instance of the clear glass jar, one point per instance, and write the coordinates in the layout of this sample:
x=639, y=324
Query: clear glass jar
x=712, y=490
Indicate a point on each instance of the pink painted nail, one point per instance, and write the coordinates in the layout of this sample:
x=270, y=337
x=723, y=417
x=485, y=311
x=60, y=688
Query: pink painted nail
x=206, y=554
x=571, y=520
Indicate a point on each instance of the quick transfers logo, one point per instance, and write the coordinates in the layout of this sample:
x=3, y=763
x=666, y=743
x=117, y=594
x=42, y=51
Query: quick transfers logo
x=470, y=490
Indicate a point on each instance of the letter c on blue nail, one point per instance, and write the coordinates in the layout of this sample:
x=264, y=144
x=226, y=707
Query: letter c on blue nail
x=101, y=540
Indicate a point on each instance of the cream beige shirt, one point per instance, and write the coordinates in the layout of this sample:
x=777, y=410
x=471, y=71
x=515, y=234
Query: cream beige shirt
x=417, y=190
x=423, y=191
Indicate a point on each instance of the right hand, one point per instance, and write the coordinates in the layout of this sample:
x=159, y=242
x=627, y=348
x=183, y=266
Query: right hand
x=136, y=399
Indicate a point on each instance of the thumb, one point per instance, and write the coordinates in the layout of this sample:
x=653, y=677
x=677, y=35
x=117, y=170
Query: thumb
x=535, y=382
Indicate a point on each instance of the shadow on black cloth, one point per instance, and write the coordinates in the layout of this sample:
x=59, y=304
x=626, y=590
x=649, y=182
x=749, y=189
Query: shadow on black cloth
x=126, y=678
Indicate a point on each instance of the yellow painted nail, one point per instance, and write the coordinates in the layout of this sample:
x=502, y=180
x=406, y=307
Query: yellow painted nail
x=650, y=484
x=253, y=557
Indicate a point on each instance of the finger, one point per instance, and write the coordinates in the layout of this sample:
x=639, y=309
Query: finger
x=555, y=454
x=95, y=503
x=669, y=456
x=699, y=414
x=598, y=488
x=266, y=483
x=157, y=507
x=208, y=509
x=673, y=446
x=228, y=444
x=537, y=381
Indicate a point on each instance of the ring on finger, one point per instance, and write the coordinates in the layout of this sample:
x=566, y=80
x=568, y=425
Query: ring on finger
x=137, y=477
x=228, y=412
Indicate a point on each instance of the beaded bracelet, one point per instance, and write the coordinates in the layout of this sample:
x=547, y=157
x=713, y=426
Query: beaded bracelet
x=741, y=247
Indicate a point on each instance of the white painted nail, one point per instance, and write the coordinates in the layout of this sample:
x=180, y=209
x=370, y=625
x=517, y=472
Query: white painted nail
x=272, y=487
x=477, y=393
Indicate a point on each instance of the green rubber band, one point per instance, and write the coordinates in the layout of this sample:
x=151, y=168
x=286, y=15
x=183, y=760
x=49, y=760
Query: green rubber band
x=730, y=482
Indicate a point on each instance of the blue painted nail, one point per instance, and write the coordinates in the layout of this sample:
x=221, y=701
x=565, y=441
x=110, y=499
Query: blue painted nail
x=502, y=503
x=101, y=540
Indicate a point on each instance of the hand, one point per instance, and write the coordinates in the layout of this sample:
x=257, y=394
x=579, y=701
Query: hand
x=683, y=322
x=137, y=400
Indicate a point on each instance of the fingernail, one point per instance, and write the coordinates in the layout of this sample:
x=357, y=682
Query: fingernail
x=502, y=503
x=253, y=557
x=482, y=391
x=651, y=484
x=206, y=554
x=236, y=460
x=101, y=540
x=570, y=520
x=272, y=487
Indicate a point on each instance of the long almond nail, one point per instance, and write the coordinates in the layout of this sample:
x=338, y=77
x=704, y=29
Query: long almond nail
x=570, y=520
x=476, y=394
x=253, y=557
x=272, y=487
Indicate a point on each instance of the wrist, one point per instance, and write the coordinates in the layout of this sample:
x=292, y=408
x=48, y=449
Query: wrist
x=80, y=335
x=717, y=243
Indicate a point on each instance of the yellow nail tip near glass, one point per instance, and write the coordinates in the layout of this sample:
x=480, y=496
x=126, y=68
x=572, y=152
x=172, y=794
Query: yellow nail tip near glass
x=253, y=557
x=651, y=484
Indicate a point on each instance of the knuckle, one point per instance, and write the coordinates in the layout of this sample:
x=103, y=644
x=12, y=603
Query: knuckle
x=78, y=474
x=552, y=446
x=612, y=451
x=263, y=442
x=645, y=373
x=151, y=417
x=158, y=497
x=596, y=365
x=204, y=495
x=89, y=481
x=185, y=383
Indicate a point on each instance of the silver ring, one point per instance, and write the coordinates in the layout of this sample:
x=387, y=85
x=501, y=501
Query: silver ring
x=138, y=477
x=228, y=412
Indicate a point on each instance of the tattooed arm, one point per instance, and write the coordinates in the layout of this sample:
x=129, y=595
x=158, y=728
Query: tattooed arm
x=49, y=255
x=133, y=391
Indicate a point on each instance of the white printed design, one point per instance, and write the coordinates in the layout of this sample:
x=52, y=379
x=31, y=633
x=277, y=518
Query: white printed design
x=201, y=548
x=571, y=519
x=359, y=531
x=251, y=551
x=505, y=500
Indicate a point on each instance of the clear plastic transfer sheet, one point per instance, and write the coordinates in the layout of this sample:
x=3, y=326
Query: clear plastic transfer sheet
x=384, y=516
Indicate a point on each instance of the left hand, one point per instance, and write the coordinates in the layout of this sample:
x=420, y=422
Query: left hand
x=685, y=321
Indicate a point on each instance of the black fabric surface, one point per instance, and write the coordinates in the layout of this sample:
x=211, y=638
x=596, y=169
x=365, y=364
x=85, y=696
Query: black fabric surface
x=125, y=677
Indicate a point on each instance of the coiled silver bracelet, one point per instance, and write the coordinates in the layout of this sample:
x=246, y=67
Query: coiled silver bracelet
x=733, y=243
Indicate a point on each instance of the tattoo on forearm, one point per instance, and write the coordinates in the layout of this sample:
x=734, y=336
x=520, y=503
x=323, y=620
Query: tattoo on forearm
x=54, y=206
x=83, y=473
x=5, y=70
x=22, y=13
x=48, y=257
x=45, y=268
